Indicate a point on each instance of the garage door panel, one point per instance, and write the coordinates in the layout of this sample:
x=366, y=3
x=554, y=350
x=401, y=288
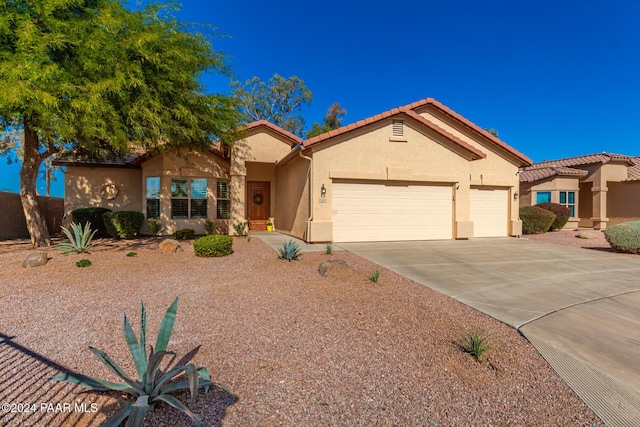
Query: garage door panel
x=489, y=212
x=379, y=212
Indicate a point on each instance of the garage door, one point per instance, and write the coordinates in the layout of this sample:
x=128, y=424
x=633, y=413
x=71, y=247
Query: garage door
x=386, y=212
x=490, y=212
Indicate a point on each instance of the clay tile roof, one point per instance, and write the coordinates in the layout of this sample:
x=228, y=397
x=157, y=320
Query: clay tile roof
x=114, y=160
x=586, y=159
x=532, y=174
x=294, y=138
x=633, y=171
x=390, y=113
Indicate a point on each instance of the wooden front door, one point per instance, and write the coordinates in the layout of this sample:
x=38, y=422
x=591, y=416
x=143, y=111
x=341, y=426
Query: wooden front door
x=258, y=204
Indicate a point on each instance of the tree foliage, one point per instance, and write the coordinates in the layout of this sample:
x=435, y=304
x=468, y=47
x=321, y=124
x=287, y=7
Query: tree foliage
x=94, y=76
x=277, y=101
x=332, y=120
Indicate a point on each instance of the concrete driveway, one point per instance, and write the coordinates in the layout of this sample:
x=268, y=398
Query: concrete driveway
x=579, y=308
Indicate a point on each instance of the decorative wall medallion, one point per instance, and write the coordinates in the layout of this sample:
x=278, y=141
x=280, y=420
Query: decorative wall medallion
x=258, y=199
x=109, y=191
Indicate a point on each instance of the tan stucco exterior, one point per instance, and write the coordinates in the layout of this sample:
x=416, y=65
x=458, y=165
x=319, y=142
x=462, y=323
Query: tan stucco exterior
x=529, y=193
x=82, y=188
x=624, y=202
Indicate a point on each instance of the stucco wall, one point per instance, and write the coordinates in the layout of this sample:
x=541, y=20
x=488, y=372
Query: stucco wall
x=82, y=188
x=623, y=202
x=192, y=164
x=292, y=202
x=554, y=185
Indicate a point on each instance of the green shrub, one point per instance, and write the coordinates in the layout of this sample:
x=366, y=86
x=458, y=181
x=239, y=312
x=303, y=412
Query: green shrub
x=536, y=220
x=241, y=228
x=474, y=342
x=123, y=224
x=79, y=239
x=131, y=254
x=154, y=384
x=213, y=245
x=210, y=226
x=375, y=276
x=289, y=251
x=624, y=237
x=184, y=234
x=155, y=226
x=328, y=249
x=94, y=216
x=83, y=263
x=561, y=212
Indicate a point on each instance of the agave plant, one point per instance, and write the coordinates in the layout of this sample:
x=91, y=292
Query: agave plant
x=289, y=251
x=153, y=385
x=80, y=240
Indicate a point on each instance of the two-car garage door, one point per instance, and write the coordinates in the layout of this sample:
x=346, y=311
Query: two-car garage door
x=369, y=212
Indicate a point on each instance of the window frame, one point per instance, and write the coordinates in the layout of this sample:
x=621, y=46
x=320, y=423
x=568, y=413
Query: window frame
x=538, y=193
x=223, y=198
x=189, y=198
x=154, y=200
x=567, y=202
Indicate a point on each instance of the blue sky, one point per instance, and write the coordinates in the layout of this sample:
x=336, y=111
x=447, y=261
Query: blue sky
x=555, y=78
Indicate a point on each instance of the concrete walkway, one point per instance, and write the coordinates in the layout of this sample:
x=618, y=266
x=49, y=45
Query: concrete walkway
x=275, y=240
x=580, y=308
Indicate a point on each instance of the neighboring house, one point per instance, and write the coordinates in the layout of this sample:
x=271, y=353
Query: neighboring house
x=600, y=189
x=416, y=172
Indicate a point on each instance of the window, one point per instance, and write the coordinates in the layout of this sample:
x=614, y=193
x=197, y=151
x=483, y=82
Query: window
x=543, y=197
x=568, y=199
x=153, y=196
x=223, y=194
x=188, y=198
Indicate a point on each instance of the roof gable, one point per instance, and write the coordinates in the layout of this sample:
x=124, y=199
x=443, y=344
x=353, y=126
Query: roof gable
x=290, y=138
x=570, y=166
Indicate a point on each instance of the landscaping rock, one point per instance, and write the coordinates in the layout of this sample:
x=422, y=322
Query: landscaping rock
x=586, y=235
x=35, y=259
x=332, y=267
x=169, y=246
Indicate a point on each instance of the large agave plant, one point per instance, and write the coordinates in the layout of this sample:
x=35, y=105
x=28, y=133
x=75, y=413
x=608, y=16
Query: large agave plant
x=80, y=240
x=153, y=385
x=289, y=251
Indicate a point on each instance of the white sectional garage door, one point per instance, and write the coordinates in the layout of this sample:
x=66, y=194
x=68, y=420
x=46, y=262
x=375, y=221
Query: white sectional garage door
x=490, y=212
x=374, y=212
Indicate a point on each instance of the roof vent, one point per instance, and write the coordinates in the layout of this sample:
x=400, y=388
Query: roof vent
x=398, y=128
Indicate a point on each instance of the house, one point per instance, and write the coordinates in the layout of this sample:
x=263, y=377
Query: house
x=416, y=172
x=600, y=189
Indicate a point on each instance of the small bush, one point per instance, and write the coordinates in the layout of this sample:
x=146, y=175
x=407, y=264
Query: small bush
x=184, y=234
x=536, y=220
x=215, y=245
x=561, y=212
x=155, y=226
x=123, y=224
x=289, y=251
x=474, y=342
x=94, y=216
x=241, y=228
x=83, y=263
x=329, y=249
x=375, y=276
x=132, y=254
x=210, y=226
x=624, y=237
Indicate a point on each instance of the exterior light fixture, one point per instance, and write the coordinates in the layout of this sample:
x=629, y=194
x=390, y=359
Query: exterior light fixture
x=516, y=195
x=323, y=191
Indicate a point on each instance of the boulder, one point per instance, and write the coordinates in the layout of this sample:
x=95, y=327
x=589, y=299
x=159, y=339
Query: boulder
x=331, y=267
x=35, y=259
x=586, y=235
x=169, y=246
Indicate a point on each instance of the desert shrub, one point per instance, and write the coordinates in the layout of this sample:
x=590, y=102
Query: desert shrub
x=79, y=239
x=184, y=234
x=289, y=251
x=83, y=263
x=474, y=341
x=94, y=216
x=210, y=226
x=241, y=228
x=123, y=224
x=329, y=249
x=154, y=384
x=131, y=254
x=536, y=220
x=624, y=237
x=155, y=226
x=214, y=245
x=375, y=276
x=561, y=212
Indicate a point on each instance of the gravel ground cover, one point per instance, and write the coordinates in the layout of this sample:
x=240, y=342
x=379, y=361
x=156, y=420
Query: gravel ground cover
x=570, y=238
x=293, y=347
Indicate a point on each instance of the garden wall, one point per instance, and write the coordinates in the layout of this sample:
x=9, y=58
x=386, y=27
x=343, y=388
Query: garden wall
x=12, y=222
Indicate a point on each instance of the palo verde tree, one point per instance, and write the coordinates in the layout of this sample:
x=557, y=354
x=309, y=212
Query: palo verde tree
x=93, y=76
x=277, y=101
x=332, y=120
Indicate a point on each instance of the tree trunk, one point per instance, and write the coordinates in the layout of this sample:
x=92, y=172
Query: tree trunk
x=28, y=177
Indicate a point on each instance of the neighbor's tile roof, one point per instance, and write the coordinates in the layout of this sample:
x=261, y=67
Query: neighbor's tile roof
x=633, y=172
x=587, y=159
x=409, y=110
x=536, y=174
x=107, y=160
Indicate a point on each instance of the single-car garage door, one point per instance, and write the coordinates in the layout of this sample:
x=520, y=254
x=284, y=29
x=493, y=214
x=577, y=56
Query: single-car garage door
x=490, y=212
x=374, y=212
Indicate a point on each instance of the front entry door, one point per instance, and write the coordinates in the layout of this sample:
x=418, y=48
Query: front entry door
x=258, y=202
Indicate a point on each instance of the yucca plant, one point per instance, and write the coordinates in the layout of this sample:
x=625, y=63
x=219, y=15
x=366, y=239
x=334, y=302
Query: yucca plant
x=80, y=240
x=375, y=276
x=329, y=249
x=153, y=385
x=289, y=251
x=474, y=342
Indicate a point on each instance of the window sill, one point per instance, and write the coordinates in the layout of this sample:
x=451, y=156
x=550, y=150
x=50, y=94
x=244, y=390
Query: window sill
x=397, y=139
